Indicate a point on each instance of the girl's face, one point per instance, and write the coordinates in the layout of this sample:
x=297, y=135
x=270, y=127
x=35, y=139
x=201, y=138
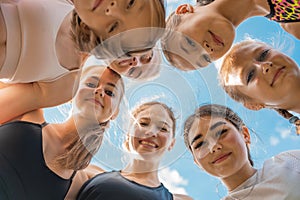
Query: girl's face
x=206, y=36
x=151, y=132
x=217, y=146
x=264, y=74
x=110, y=17
x=99, y=94
x=137, y=65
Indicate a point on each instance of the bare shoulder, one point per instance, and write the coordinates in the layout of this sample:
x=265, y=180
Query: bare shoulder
x=92, y=170
x=181, y=197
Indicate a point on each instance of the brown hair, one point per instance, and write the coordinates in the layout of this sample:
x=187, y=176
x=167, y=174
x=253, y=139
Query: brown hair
x=227, y=67
x=87, y=41
x=144, y=106
x=82, y=148
x=214, y=110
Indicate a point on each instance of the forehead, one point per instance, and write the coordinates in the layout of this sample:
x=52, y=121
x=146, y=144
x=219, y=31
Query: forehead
x=155, y=113
x=203, y=124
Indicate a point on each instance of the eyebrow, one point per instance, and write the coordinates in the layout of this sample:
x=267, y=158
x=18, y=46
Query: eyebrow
x=196, y=138
x=108, y=83
x=139, y=51
x=184, y=49
x=216, y=125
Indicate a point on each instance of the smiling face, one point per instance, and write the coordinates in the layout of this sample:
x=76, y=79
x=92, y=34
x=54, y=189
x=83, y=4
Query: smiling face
x=265, y=75
x=99, y=94
x=217, y=146
x=206, y=36
x=152, y=132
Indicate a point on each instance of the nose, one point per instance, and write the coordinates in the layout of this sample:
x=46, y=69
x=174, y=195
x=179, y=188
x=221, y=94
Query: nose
x=266, y=67
x=113, y=9
x=99, y=91
x=214, y=146
x=208, y=48
x=152, y=131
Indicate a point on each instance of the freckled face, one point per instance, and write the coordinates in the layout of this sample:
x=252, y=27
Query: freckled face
x=264, y=74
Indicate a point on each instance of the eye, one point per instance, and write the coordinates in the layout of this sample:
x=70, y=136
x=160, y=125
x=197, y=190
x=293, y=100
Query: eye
x=143, y=124
x=163, y=129
x=250, y=76
x=113, y=27
x=130, y=4
x=146, y=59
x=221, y=132
x=190, y=42
x=207, y=58
x=109, y=93
x=199, y=145
x=263, y=55
x=91, y=85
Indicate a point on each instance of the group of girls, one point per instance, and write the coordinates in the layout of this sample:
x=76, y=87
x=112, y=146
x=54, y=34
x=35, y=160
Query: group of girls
x=44, y=45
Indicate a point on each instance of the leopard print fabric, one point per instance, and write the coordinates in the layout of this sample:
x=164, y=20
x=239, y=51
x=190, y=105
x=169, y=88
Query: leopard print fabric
x=284, y=10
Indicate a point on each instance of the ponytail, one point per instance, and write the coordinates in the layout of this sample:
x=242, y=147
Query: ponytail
x=292, y=118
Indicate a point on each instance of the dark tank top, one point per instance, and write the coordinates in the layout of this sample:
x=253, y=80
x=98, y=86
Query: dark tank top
x=113, y=186
x=23, y=171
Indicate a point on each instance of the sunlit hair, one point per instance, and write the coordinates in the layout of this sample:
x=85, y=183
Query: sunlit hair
x=214, y=110
x=145, y=106
x=83, y=147
x=229, y=67
x=87, y=41
x=172, y=24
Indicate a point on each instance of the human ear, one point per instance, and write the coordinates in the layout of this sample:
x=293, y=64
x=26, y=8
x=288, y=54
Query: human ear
x=172, y=144
x=253, y=106
x=246, y=135
x=184, y=8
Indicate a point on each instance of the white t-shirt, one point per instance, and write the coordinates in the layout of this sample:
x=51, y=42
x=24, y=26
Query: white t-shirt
x=278, y=179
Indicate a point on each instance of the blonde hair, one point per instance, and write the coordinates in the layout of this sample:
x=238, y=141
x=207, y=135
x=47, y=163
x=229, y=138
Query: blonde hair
x=87, y=40
x=227, y=67
x=82, y=148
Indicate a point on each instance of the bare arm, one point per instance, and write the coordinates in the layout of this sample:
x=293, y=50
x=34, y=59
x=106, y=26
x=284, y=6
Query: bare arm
x=17, y=99
x=292, y=28
x=9, y=1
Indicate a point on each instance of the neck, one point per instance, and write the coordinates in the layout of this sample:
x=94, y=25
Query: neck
x=239, y=177
x=239, y=11
x=143, y=172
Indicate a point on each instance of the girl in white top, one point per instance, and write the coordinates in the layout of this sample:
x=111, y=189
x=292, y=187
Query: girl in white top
x=219, y=141
x=36, y=47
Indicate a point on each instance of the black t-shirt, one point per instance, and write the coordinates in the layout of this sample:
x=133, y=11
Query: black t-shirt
x=23, y=171
x=113, y=186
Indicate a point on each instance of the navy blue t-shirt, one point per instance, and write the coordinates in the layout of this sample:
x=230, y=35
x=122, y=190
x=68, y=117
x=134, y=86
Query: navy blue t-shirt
x=113, y=186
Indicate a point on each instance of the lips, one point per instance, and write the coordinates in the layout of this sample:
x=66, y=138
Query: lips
x=277, y=74
x=218, y=40
x=221, y=158
x=148, y=144
x=95, y=101
x=97, y=4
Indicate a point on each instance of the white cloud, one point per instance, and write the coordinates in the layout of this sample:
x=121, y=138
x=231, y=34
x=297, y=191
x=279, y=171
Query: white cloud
x=284, y=132
x=173, y=181
x=274, y=141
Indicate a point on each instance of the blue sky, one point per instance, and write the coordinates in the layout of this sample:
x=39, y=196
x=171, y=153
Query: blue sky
x=184, y=91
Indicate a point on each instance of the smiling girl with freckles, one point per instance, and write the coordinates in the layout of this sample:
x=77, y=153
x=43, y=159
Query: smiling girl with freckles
x=220, y=144
x=260, y=76
x=151, y=135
